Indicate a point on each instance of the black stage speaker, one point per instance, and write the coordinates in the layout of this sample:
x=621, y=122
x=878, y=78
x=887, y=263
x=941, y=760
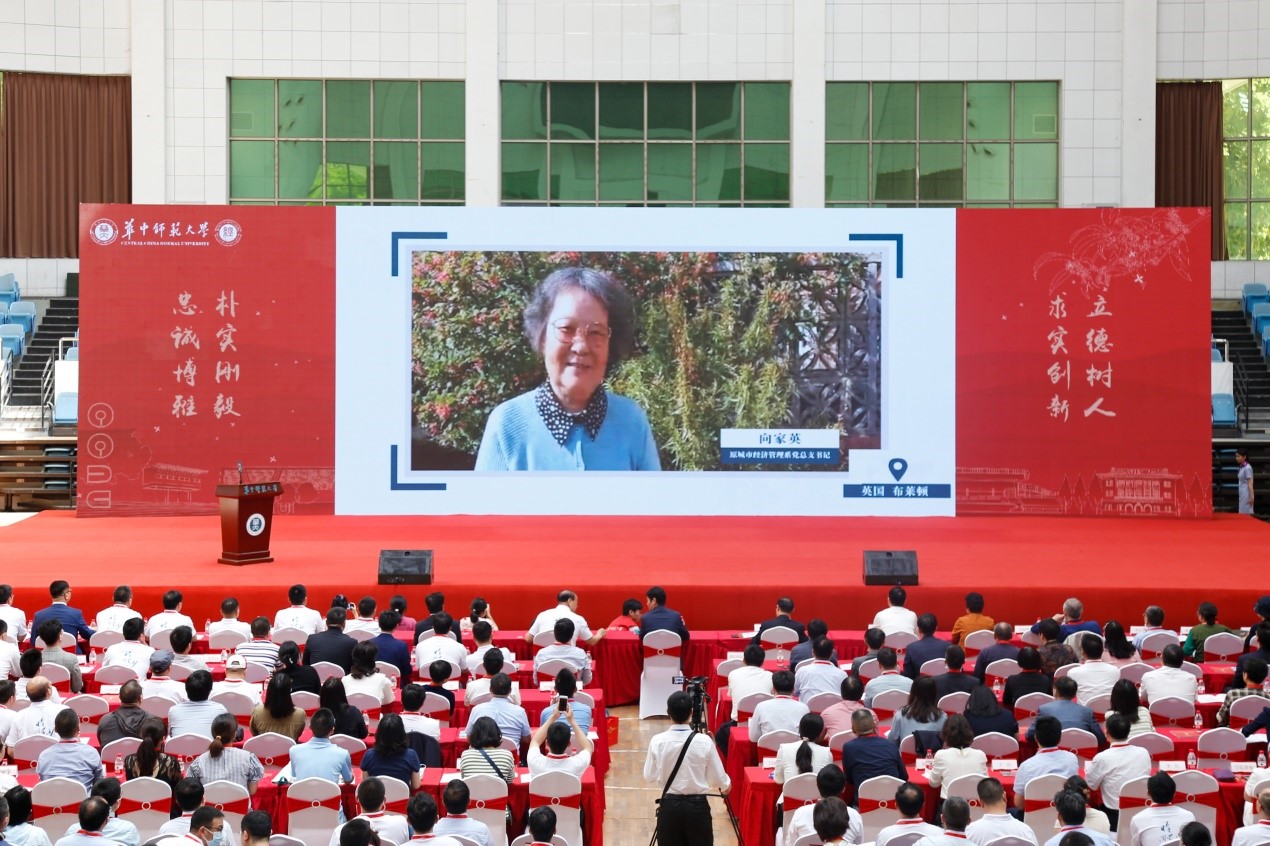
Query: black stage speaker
x=405, y=566
x=890, y=567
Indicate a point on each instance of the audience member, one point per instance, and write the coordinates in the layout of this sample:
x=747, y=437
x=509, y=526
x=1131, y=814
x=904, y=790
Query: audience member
x=365, y=621
x=160, y=683
x=364, y=677
x=781, y=712
x=150, y=761
x=94, y=813
x=1170, y=680
x=260, y=649
x=1117, y=650
x=509, y=718
x=1153, y=621
x=1054, y=652
x=371, y=796
x=120, y=831
x=1208, y=626
x=974, y=620
x=50, y=633
x=229, y=621
x=895, y=618
x=111, y=619
x=1114, y=766
x=996, y=821
x=831, y=820
x=837, y=716
x=224, y=762
x=1029, y=679
x=170, y=617
x=439, y=673
x=1124, y=700
x=277, y=714
x=1094, y=818
x=1254, y=679
x=956, y=815
x=1094, y=677
x=927, y=647
x=566, y=686
x=37, y=718
x=660, y=618
x=393, y=651
x=421, y=812
x=542, y=826
x=821, y=674
x=867, y=754
x=1161, y=821
x=412, y=716
x=888, y=677
x=441, y=647
x=920, y=714
x=235, y=680
x=558, y=730
x=319, y=757
x=482, y=638
x=956, y=757
x=257, y=829
x=195, y=715
x=1048, y=758
x=1000, y=648
x=14, y=617
x=479, y=611
x=1196, y=834
x=70, y=619
x=816, y=628
x=484, y=754
x=16, y=821
x=298, y=615
x=182, y=640
x=1262, y=610
x=188, y=795
x=830, y=782
x=492, y=663
x=405, y=623
x=566, y=607
x=985, y=714
x=1258, y=833
x=784, y=608
x=1069, y=712
x=874, y=639
x=564, y=650
x=955, y=679
x=456, y=797
x=68, y=758
x=1262, y=652
x=1071, y=805
x=632, y=611
x=303, y=678
x=124, y=721
x=805, y=755
x=750, y=678
x=435, y=602
x=909, y=801
x=1070, y=622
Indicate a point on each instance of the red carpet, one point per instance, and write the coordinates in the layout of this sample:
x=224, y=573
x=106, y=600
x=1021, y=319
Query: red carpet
x=720, y=572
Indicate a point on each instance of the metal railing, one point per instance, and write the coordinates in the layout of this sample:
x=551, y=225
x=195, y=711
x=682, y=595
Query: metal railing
x=6, y=380
x=1242, y=397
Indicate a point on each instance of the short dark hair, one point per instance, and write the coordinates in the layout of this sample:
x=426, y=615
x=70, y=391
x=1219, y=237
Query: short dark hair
x=887, y=658
x=785, y=605
x=500, y=684
x=198, y=686
x=389, y=620
x=822, y=648
x=656, y=594
x=1195, y=833
x=57, y=587
x=1171, y=655
x=783, y=681
x=297, y=594
x=228, y=606
x=108, y=789
x=455, y=797
x=188, y=793
x=974, y=603
x=1002, y=631
x=93, y=813
x=955, y=657
x=957, y=733
x=434, y=602
x=851, y=689
x=66, y=723
x=7, y=691
x=566, y=684
x=563, y=630
x=336, y=617
x=484, y=734
x=366, y=606
x=1029, y=658
x=181, y=637
x=679, y=706
x=754, y=655
x=371, y=793
x=1161, y=788
x=927, y=624
x=260, y=627
x=611, y=294
x=439, y=671
x=956, y=813
x=1049, y=731
x=421, y=810
x=831, y=818
x=6, y=593
x=19, y=799
x=558, y=736
x=1091, y=646
x=1070, y=805
x=1154, y=615
x=357, y=832
x=171, y=599
x=542, y=824
x=322, y=723
x=133, y=628
x=897, y=595
x=1254, y=669
x=1117, y=726
x=990, y=791
x=909, y=798
x=441, y=623
x=1048, y=628
x=492, y=661
x=817, y=627
x=482, y=631
x=258, y=825
x=875, y=637
x=123, y=593
x=631, y=605
x=831, y=780
x=1065, y=687
x=412, y=697
x=51, y=632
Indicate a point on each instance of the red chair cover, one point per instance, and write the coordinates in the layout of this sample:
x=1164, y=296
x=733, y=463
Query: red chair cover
x=127, y=806
x=574, y=801
x=650, y=652
x=867, y=805
x=294, y=804
x=497, y=804
x=238, y=806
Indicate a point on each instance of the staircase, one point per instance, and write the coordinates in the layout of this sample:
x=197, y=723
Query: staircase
x=1229, y=324
x=59, y=321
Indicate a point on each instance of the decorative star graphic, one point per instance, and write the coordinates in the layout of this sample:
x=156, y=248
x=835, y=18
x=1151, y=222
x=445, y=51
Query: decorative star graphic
x=156, y=428
x=273, y=459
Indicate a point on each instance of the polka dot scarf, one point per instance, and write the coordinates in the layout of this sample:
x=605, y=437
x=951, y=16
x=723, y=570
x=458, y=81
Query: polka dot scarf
x=560, y=422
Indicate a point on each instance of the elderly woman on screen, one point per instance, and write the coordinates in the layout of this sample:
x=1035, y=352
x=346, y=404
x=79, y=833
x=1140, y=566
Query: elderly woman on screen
x=582, y=323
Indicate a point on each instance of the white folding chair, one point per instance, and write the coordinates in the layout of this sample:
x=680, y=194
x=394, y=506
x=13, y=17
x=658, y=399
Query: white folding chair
x=1135, y=671
x=728, y=666
x=327, y=670
x=55, y=805
x=1172, y=711
x=1061, y=672
x=232, y=799
x=796, y=792
x=123, y=747
x=355, y=747
x=976, y=642
x=523, y=840
x=746, y=705
x=157, y=706
x=1243, y=711
x=1100, y=704
x=306, y=701
x=187, y=747
x=116, y=674
x=661, y=664
x=839, y=740
x=161, y=640
x=546, y=672
x=488, y=804
x=777, y=642
x=145, y=803
x=966, y=787
x=90, y=709
x=437, y=707
x=257, y=673
x=1160, y=746
x=1038, y=805
x=1027, y=706
x=58, y=676
x=543, y=638
x=396, y=794
x=282, y=635
x=996, y=744
x=818, y=703
x=314, y=805
x=225, y=640
x=26, y=752
x=771, y=742
x=391, y=670
x=886, y=703
x=1133, y=800
x=1223, y=646
x=1002, y=669
x=900, y=641
x=103, y=640
x=953, y=703
x=1199, y=793
x=876, y=798
x=562, y=792
x=869, y=669
x=933, y=667
x=1219, y=746
x=1153, y=646
x=273, y=749
x=237, y=704
x=1080, y=742
x=360, y=635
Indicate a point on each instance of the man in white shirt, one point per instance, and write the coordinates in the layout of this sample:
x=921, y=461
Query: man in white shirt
x=1169, y=680
x=1160, y=821
x=7, y=715
x=564, y=650
x=821, y=675
x=411, y=701
x=112, y=619
x=1257, y=834
x=229, y=621
x=956, y=815
x=890, y=678
x=909, y=800
x=996, y=820
x=94, y=813
x=456, y=797
x=482, y=637
x=491, y=665
x=370, y=797
x=130, y=652
x=1116, y=765
x=37, y=718
x=236, y=680
x=10, y=655
x=299, y=615
x=782, y=711
x=422, y=813
x=1094, y=677
x=365, y=621
x=830, y=782
x=440, y=647
x=15, y=617
x=558, y=737
x=750, y=678
x=683, y=818
x=160, y=683
x=567, y=607
x=182, y=638
x=1071, y=806
x=195, y=815
x=170, y=617
x=895, y=617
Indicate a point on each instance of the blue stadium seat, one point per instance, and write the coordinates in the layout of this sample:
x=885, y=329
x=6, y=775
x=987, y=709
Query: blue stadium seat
x=1224, y=410
x=22, y=313
x=1216, y=355
x=1260, y=317
x=72, y=354
x=13, y=338
x=1265, y=342
x=1254, y=293
x=9, y=290
x=66, y=409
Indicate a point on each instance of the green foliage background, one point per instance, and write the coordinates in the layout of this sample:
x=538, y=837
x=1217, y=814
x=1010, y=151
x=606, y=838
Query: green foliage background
x=715, y=335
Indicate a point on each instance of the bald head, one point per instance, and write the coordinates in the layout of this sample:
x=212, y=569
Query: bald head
x=38, y=689
x=862, y=722
x=1003, y=631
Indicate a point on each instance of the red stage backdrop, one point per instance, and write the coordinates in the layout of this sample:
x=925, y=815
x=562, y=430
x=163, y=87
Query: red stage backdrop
x=208, y=340
x=1082, y=364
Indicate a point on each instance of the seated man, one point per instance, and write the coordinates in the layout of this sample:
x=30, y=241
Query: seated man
x=1094, y=677
x=909, y=801
x=37, y=718
x=888, y=679
x=821, y=675
x=1257, y=834
x=784, y=608
x=170, y=617
x=1161, y=821
x=182, y=645
x=956, y=815
x=421, y=811
x=112, y=619
x=868, y=755
x=895, y=617
x=120, y=831
x=780, y=712
x=874, y=639
x=1071, y=805
x=411, y=703
x=558, y=730
x=1113, y=767
x=1069, y=622
x=331, y=645
x=365, y=620
x=440, y=647
x=956, y=679
x=492, y=664
x=632, y=611
x=260, y=649
x=188, y=796
x=1054, y=651
x=801, y=652
x=1254, y=679
x=482, y=637
x=124, y=721
x=927, y=647
x=370, y=798
x=205, y=823
x=68, y=758
x=511, y=719
x=1029, y=679
x=1002, y=634
x=974, y=620
x=1153, y=618
x=229, y=621
x=391, y=649
x=563, y=650
x=160, y=683
x=319, y=757
x=236, y=680
x=438, y=674
x=659, y=617
x=50, y=632
x=566, y=686
x=1048, y=731
x=837, y=716
x=1170, y=680
x=94, y=813
x=566, y=606
x=1068, y=712
x=130, y=652
x=456, y=797
x=996, y=821
x=299, y=615
x=830, y=782
x=195, y=715
x=750, y=678
x=542, y=826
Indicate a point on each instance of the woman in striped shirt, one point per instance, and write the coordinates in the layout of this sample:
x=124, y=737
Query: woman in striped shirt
x=223, y=762
x=484, y=754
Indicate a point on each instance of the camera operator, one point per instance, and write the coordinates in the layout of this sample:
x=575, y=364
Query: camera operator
x=687, y=765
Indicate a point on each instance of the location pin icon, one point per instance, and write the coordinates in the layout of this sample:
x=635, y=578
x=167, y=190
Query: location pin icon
x=898, y=468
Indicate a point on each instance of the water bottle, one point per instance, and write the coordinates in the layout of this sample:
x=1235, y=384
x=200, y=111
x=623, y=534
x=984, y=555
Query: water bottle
x=1261, y=760
x=224, y=655
x=1265, y=686
x=1199, y=721
x=930, y=759
x=207, y=624
x=119, y=765
x=1191, y=760
x=1199, y=688
x=998, y=687
x=92, y=656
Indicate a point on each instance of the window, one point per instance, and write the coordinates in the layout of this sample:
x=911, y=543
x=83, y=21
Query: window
x=645, y=144
x=1246, y=167
x=345, y=142
x=973, y=144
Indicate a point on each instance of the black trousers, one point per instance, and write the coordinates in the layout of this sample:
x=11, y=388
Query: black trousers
x=684, y=821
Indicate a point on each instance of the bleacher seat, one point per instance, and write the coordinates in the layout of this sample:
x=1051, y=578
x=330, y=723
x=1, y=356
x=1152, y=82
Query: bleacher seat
x=22, y=313
x=1216, y=356
x=1224, y=410
x=1260, y=318
x=72, y=354
x=66, y=409
x=13, y=338
x=1254, y=293
x=9, y=290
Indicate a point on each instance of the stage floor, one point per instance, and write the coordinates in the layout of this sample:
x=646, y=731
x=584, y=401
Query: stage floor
x=719, y=571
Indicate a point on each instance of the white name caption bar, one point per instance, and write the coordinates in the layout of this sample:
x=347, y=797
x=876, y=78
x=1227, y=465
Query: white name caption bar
x=779, y=446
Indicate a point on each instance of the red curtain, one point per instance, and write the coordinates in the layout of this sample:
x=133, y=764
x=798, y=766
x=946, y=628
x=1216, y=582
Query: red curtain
x=1188, y=151
x=64, y=140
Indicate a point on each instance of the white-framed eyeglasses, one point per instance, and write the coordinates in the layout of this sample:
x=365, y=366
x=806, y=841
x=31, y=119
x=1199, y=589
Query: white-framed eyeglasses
x=594, y=334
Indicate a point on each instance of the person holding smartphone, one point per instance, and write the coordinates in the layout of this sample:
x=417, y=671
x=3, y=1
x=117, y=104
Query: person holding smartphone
x=560, y=730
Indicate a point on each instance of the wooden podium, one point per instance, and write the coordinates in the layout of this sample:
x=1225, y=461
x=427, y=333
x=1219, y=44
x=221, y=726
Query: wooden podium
x=246, y=519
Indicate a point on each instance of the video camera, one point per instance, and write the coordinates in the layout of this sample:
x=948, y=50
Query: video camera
x=695, y=686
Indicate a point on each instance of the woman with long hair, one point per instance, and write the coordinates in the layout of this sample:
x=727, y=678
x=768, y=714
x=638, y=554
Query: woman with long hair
x=405, y=623
x=1117, y=649
x=920, y=714
x=805, y=755
x=956, y=757
x=480, y=611
x=223, y=761
x=150, y=761
x=1124, y=700
x=985, y=714
x=277, y=713
x=391, y=755
x=484, y=754
x=348, y=718
x=302, y=678
x=364, y=675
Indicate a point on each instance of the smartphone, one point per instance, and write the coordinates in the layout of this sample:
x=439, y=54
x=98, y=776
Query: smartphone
x=564, y=704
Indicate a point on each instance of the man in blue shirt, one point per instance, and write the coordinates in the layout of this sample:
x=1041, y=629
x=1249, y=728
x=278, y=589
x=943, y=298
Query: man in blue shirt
x=869, y=755
x=392, y=650
x=510, y=718
x=660, y=618
x=69, y=758
x=1048, y=758
x=1069, y=622
x=319, y=758
x=1069, y=712
x=567, y=686
x=72, y=619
